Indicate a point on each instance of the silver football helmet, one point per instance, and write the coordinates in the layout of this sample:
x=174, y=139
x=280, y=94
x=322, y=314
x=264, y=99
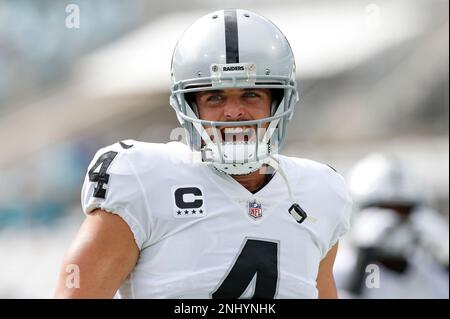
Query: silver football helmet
x=379, y=179
x=228, y=49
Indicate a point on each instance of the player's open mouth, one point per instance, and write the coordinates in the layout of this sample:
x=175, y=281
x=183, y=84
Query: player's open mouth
x=237, y=134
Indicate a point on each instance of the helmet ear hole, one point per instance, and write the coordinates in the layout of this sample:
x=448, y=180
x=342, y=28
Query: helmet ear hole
x=277, y=97
x=189, y=97
x=192, y=102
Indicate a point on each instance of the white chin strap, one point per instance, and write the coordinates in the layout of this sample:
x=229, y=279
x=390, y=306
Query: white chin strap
x=239, y=158
x=238, y=169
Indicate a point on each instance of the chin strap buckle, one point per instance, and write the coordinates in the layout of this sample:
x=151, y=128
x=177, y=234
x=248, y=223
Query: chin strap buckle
x=206, y=155
x=298, y=213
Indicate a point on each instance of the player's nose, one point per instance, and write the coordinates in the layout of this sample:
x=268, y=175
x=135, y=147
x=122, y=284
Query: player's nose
x=233, y=110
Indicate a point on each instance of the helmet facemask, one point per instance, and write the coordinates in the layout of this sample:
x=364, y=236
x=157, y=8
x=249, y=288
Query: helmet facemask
x=236, y=152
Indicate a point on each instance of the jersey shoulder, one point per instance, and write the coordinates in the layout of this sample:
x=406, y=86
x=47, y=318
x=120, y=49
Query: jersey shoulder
x=134, y=157
x=119, y=169
x=115, y=180
x=323, y=193
x=322, y=175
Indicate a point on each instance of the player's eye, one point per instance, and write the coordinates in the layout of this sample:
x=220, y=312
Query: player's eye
x=214, y=98
x=251, y=94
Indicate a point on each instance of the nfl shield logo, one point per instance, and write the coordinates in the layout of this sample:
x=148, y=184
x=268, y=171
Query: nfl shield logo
x=254, y=209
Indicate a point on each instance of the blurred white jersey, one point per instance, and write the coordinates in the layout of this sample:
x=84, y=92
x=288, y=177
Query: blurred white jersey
x=201, y=234
x=423, y=279
x=421, y=240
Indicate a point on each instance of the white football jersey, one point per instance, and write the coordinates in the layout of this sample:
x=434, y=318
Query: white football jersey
x=201, y=234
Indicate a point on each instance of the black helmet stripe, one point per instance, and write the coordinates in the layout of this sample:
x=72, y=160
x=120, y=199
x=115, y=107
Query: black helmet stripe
x=231, y=36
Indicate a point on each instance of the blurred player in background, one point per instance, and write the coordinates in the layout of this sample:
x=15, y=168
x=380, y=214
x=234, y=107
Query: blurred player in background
x=397, y=232
x=224, y=216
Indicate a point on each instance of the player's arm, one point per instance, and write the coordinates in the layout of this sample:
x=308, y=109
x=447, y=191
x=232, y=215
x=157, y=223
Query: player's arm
x=104, y=251
x=325, y=278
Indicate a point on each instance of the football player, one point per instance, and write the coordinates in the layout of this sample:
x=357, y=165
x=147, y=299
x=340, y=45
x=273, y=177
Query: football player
x=224, y=216
x=395, y=234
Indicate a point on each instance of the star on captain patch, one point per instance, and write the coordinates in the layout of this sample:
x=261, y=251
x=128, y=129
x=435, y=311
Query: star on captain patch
x=254, y=209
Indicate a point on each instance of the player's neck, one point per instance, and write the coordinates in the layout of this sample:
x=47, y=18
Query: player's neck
x=253, y=181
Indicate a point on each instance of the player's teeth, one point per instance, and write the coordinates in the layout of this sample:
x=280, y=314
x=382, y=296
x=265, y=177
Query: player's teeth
x=235, y=130
x=232, y=130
